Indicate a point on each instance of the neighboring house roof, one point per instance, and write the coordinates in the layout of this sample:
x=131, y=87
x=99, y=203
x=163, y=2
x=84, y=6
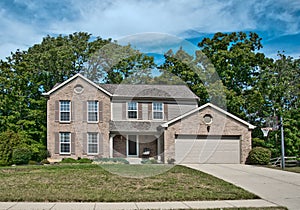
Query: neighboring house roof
x=56, y=87
x=150, y=91
x=165, y=125
x=136, y=91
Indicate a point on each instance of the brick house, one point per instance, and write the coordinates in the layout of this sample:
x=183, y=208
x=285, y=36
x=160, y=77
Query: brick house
x=85, y=119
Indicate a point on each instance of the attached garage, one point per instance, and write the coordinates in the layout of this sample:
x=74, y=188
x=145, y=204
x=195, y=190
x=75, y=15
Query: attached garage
x=207, y=134
x=207, y=149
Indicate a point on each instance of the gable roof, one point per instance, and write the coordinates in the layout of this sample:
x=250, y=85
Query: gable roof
x=56, y=87
x=165, y=125
x=150, y=91
x=135, y=91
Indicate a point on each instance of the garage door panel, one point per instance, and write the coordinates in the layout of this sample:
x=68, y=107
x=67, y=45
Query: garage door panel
x=207, y=151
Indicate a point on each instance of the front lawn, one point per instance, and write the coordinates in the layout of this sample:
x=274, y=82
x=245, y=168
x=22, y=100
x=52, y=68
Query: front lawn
x=91, y=183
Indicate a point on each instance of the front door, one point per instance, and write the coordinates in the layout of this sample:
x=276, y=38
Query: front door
x=132, y=145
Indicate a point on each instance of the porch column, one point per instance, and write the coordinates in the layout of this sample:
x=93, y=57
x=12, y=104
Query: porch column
x=111, y=145
x=158, y=148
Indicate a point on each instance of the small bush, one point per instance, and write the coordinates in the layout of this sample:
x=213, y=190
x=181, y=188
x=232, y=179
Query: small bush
x=84, y=160
x=259, y=156
x=111, y=160
x=171, y=161
x=32, y=162
x=45, y=161
x=68, y=160
x=149, y=161
x=21, y=156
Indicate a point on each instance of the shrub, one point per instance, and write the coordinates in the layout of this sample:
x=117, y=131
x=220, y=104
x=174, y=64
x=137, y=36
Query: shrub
x=68, y=160
x=111, y=160
x=45, y=161
x=171, y=160
x=259, y=156
x=149, y=161
x=84, y=160
x=9, y=141
x=21, y=156
x=32, y=162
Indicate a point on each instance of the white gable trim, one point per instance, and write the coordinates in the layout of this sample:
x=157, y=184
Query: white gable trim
x=165, y=125
x=72, y=78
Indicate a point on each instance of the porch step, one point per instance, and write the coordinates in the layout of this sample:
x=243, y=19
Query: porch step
x=134, y=160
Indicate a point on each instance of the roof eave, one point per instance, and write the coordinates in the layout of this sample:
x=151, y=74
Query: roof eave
x=250, y=126
x=72, y=78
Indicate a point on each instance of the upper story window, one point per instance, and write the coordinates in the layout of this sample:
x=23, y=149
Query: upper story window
x=132, y=110
x=158, y=111
x=65, y=143
x=64, y=111
x=93, y=143
x=92, y=111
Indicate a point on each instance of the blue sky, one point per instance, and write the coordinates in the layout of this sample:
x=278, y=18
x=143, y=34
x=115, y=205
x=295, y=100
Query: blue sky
x=150, y=23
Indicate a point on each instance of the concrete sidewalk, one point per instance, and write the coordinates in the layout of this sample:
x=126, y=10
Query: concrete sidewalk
x=275, y=186
x=137, y=205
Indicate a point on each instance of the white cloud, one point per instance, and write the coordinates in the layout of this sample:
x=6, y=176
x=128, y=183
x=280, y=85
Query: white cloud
x=119, y=18
x=129, y=17
x=15, y=35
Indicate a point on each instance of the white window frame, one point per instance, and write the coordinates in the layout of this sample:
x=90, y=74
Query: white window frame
x=88, y=143
x=60, y=143
x=161, y=111
x=60, y=111
x=97, y=110
x=136, y=110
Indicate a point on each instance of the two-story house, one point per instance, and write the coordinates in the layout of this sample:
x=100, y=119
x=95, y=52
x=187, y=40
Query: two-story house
x=91, y=120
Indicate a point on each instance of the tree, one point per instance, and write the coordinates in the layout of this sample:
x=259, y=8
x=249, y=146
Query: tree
x=196, y=72
x=114, y=64
x=27, y=74
x=279, y=88
x=238, y=65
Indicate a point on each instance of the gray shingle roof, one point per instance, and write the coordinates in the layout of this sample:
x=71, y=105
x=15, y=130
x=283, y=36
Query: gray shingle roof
x=150, y=91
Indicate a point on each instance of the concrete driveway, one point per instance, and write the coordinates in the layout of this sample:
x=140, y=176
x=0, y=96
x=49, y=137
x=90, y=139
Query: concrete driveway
x=279, y=187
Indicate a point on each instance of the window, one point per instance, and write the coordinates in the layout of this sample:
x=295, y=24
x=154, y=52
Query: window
x=65, y=111
x=92, y=111
x=65, y=143
x=132, y=110
x=157, y=111
x=92, y=143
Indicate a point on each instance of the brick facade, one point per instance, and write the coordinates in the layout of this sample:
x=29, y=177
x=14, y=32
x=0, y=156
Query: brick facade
x=151, y=134
x=78, y=127
x=222, y=125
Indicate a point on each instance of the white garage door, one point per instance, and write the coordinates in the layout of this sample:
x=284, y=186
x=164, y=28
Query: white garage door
x=207, y=150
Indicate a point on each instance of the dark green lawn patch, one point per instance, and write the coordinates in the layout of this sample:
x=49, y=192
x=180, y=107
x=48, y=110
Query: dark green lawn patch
x=91, y=183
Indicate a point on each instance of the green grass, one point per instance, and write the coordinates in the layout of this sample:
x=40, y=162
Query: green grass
x=91, y=183
x=255, y=208
x=290, y=169
x=293, y=169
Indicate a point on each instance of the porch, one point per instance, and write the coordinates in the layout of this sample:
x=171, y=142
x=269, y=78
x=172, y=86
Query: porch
x=136, y=146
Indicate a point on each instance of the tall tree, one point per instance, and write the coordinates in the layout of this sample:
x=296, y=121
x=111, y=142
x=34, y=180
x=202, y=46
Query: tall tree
x=279, y=89
x=114, y=63
x=27, y=74
x=238, y=63
x=196, y=72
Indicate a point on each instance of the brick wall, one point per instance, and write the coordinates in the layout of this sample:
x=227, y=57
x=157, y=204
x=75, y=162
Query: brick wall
x=78, y=127
x=222, y=125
